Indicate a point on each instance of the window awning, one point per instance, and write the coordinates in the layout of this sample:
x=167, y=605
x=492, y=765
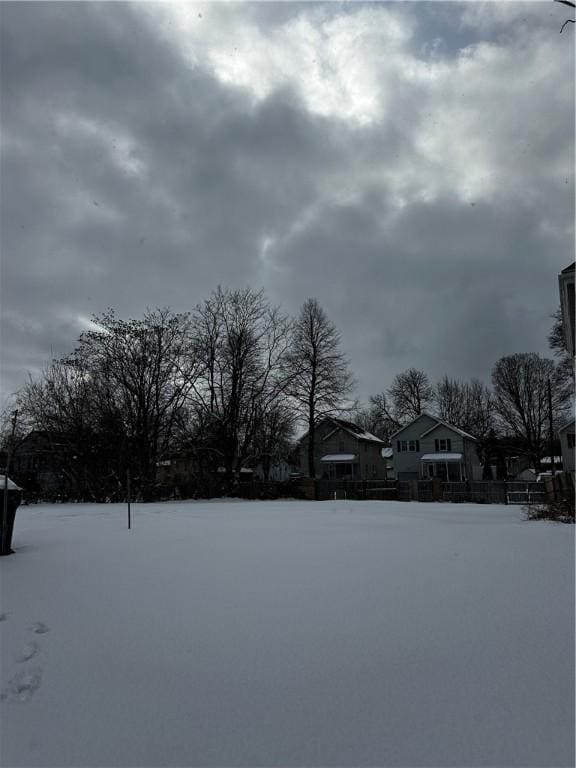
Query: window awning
x=442, y=457
x=335, y=457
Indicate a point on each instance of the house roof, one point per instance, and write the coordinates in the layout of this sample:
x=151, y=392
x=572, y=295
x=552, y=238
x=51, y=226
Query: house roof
x=569, y=268
x=356, y=431
x=567, y=425
x=352, y=429
x=439, y=422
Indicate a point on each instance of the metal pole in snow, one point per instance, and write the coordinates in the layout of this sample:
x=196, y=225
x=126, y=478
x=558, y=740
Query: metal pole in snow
x=551, y=427
x=551, y=436
x=128, y=494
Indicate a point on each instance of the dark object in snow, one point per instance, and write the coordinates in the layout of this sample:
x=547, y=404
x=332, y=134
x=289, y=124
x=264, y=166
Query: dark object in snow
x=559, y=511
x=8, y=514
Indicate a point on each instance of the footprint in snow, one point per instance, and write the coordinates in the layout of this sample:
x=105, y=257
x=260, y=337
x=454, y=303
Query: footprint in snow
x=39, y=628
x=29, y=651
x=24, y=685
x=3, y=616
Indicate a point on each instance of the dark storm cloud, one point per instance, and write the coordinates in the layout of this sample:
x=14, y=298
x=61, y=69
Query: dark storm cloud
x=420, y=184
x=449, y=308
x=80, y=232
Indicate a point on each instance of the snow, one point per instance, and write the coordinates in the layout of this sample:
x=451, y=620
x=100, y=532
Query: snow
x=546, y=460
x=339, y=457
x=441, y=457
x=368, y=436
x=287, y=633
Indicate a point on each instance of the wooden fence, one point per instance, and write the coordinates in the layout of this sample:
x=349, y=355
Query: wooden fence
x=480, y=492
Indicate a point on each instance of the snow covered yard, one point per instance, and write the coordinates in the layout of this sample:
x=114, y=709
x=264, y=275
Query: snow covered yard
x=287, y=633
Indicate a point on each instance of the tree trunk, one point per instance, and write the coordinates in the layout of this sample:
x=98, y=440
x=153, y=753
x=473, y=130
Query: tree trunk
x=311, y=447
x=266, y=467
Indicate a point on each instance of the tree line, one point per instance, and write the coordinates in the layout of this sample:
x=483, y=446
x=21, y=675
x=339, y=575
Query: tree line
x=225, y=385
x=229, y=383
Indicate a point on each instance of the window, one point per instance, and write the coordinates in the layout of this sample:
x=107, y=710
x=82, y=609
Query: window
x=444, y=445
x=571, y=439
x=404, y=446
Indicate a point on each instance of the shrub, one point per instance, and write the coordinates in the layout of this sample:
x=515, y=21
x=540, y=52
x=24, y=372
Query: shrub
x=561, y=511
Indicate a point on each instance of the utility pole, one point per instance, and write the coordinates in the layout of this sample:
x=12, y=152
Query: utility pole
x=4, y=544
x=128, y=494
x=551, y=427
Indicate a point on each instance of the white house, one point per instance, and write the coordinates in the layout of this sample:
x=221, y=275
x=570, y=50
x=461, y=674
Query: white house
x=431, y=448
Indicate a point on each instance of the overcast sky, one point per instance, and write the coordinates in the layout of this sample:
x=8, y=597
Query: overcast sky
x=411, y=165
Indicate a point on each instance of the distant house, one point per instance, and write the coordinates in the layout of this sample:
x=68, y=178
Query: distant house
x=431, y=448
x=279, y=471
x=567, y=435
x=41, y=461
x=344, y=451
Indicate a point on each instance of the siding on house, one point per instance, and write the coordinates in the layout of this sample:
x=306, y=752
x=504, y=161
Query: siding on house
x=567, y=304
x=332, y=439
x=567, y=441
x=407, y=463
x=424, y=436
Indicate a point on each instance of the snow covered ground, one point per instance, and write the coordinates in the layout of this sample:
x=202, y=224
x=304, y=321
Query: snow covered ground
x=287, y=633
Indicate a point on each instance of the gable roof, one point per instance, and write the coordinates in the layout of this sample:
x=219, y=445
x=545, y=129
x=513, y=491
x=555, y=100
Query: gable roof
x=351, y=428
x=439, y=422
x=567, y=425
x=355, y=430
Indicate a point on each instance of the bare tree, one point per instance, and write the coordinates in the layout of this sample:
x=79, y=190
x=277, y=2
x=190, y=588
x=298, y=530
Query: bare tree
x=241, y=342
x=521, y=399
x=316, y=370
x=141, y=372
x=411, y=393
x=470, y=406
x=570, y=4
x=61, y=404
x=377, y=417
x=8, y=435
x=557, y=343
x=273, y=435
